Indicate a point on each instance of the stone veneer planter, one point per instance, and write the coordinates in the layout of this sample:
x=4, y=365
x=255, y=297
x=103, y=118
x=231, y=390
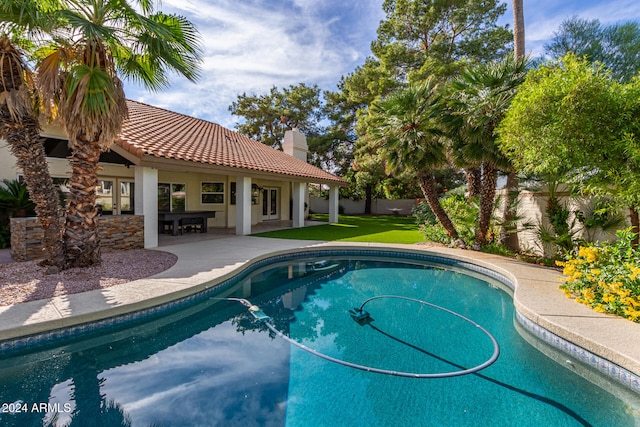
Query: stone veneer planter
x=117, y=232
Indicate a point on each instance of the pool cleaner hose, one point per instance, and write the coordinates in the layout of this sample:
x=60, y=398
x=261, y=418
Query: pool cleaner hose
x=363, y=317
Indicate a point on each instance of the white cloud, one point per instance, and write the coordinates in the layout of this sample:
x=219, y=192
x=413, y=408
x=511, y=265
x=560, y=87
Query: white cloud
x=250, y=46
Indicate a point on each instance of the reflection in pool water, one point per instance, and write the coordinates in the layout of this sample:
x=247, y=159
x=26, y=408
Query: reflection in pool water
x=212, y=363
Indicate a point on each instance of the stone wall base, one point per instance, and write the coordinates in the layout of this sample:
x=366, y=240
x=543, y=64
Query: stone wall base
x=119, y=232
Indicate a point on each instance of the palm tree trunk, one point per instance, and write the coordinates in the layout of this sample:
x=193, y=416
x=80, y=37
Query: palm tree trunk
x=508, y=231
x=19, y=126
x=25, y=143
x=81, y=240
x=474, y=181
x=368, y=199
x=427, y=185
x=635, y=226
x=487, y=199
x=518, y=29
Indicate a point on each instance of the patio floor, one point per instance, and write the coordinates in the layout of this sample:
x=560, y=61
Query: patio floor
x=167, y=239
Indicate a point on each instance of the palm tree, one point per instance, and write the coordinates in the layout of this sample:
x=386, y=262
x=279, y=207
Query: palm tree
x=78, y=74
x=518, y=29
x=479, y=99
x=19, y=124
x=508, y=232
x=405, y=125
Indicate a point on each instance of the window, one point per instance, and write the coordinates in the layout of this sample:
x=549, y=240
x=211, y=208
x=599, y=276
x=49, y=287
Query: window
x=212, y=193
x=172, y=197
x=232, y=195
x=61, y=184
x=104, y=197
x=255, y=193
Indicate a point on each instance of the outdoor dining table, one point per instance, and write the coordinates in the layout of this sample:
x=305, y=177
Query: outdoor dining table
x=180, y=219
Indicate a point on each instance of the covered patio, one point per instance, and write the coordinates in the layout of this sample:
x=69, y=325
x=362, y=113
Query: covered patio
x=165, y=162
x=223, y=233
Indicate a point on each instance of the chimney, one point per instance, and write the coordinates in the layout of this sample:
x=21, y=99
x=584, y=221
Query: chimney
x=295, y=144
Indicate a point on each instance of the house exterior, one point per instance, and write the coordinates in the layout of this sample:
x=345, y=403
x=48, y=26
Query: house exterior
x=167, y=161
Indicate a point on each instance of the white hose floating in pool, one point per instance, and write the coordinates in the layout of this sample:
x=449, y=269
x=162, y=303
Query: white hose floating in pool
x=360, y=315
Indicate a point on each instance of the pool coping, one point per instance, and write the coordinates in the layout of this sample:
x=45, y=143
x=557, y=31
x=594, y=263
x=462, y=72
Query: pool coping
x=606, y=342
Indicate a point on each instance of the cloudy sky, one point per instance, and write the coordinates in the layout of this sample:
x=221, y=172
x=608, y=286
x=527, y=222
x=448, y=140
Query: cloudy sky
x=252, y=45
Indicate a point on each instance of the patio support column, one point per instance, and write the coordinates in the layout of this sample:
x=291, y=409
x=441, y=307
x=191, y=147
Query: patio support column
x=333, y=204
x=243, y=205
x=298, y=204
x=146, y=203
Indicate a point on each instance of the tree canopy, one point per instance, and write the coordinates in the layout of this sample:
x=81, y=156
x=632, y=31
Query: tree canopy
x=617, y=46
x=571, y=120
x=266, y=117
x=419, y=39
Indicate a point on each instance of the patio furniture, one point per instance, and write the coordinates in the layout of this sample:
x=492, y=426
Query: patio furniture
x=177, y=220
x=195, y=223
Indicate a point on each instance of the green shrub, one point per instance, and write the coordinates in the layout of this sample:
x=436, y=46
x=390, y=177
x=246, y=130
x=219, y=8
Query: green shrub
x=435, y=233
x=464, y=215
x=14, y=199
x=462, y=212
x=423, y=214
x=497, y=249
x=605, y=277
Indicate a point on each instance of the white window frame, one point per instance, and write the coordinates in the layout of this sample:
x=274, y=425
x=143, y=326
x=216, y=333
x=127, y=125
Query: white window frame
x=203, y=193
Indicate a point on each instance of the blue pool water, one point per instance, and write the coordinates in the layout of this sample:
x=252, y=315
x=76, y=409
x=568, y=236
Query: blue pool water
x=211, y=363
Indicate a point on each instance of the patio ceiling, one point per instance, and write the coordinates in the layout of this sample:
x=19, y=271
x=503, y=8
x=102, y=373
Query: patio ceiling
x=59, y=149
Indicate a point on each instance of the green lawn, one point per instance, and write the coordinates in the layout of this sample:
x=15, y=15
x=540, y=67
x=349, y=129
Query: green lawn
x=381, y=229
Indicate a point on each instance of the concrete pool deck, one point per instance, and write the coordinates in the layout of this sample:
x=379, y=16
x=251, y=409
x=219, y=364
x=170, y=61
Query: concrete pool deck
x=536, y=297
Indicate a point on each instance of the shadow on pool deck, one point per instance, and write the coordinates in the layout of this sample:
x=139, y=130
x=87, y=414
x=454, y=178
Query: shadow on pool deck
x=536, y=297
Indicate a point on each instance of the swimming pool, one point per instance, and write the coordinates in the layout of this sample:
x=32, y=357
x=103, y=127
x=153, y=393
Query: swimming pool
x=211, y=363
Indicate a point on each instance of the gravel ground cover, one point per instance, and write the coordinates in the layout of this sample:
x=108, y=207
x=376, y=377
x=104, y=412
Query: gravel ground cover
x=27, y=281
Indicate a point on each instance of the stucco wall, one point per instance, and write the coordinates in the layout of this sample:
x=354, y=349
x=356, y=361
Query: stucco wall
x=192, y=181
x=531, y=208
x=356, y=207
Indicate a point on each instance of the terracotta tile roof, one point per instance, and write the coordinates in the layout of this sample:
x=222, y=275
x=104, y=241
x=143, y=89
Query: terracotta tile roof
x=153, y=131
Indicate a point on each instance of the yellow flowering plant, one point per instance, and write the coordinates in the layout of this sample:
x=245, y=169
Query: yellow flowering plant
x=605, y=277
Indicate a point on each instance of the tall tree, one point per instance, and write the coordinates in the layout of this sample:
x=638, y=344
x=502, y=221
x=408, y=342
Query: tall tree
x=19, y=124
x=267, y=117
x=79, y=73
x=508, y=235
x=420, y=38
x=436, y=39
x=406, y=128
x=518, y=29
x=616, y=46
